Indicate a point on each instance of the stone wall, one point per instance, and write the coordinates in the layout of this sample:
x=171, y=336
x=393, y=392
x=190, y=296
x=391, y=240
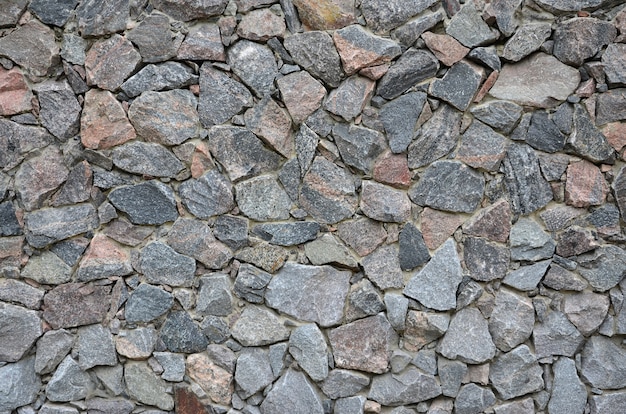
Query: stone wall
x=312, y=206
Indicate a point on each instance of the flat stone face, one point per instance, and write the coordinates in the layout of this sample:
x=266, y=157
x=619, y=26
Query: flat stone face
x=527, y=39
x=325, y=14
x=180, y=333
x=49, y=225
x=482, y=147
x=151, y=202
x=359, y=49
x=20, y=329
x=254, y=64
x=448, y=88
x=569, y=392
x=15, y=94
x=97, y=19
x=413, y=67
x=603, y=268
x=574, y=50
x=383, y=16
x=161, y=264
x=476, y=345
x=145, y=386
x=521, y=168
x=436, y=138
x=17, y=140
x=69, y=382
x=586, y=140
x=263, y=199
x=603, y=364
x=512, y=320
x=209, y=195
x=468, y=27
x=146, y=158
x=272, y=124
x=556, y=335
x=164, y=76
x=301, y=93
x=350, y=97
x=292, y=391
x=59, y=110
x=516, y=373
x=485, y=261
x=399, y=118
x=613, y=58
x=31, y=46
x=221, y=97
x=287, y=234
x=316, y=53
x=95, y=347
x=258, y=326
x=146, y=303
x=409, y=387
x=500, y=115
x=40, y=176
x=104, y=123
x=253, y=371
x=109, y=62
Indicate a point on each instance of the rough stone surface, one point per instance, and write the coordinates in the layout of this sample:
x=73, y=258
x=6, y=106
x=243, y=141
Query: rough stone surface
x=521, y=168
x=110, y=62
x=292, y=392
x=145, y=386
x=409, y=387
x=95, y=347
x=413, y=67
x=103, y=121
x=571, y=48
x=69, y=382
x=482, y=147
x=512, y=320
x=516, y=373
x=476, y=346
x=147, y=303
x=399, y=118
x=436, y=138
x=569, y=393
x=257, y=326
x=302, y=94
x=308, y=347
x=151, y=202
x=556, y=335
x=603, y=363
x=209, y=195
x=447, y=88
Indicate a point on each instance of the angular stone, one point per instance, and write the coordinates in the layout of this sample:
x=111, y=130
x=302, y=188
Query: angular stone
x=16, y=140
x=608, y=403
x=187, y=10
x=530, y=242
x=59, y=111
x=575, y=241
x=342, y=383
x=553, y=166
x=540, y=81
x=165, y=76
x=603, y=364
x=20, y=329
x=447, y=49
x=611, y=107
x=272, y=124
x=232, y=231
x=103, y=259
x=500, y=115
x=77, y=187
x=527, y=188
x=572, y=49
x=221, y=97
x=383, y=203
x=383, y=267
x=603, y=268
x=50, y=225
x=31, y=46
x=301, y=93
x=516, y=373
x=264, y=255
x=250, y=283
x=586, y=140
x=326, y=249
x=103, y=121
x=161, y=264
x=492, y=222
x=413, y=67
x=9, y=225
x=383, y=16
x=15, y=94
x=124, y=232
x=450, y=186
x=392, y=169
x=292, y=393
x=473, y=399
x=203, y=42
x=261, y=25
x=408, y=33
x=559, y=278
x=308, y=348
x=254, y=64
x=287, y=234
x=459, y=85
x=69, y=382
x=147, y=303
x=144, y=386
x=180, y=333
x=104, y=406
x=289, y=177
x=485, y=261
x=482, y=147
x=146, y=158
x=614, y=62
x=543, y=134
x=136, y=343
x=213, y=379
x=39, y=176
x=423, y=328
x=10, y=13
x=527, y=39
x=413, y=250
x=210, y=195
x=467, y=338
x=512, y=320
x=97, y=19
x=468, y=27
x=214, y=296
x=110, y=62
x=325, y=14
x=173, y=365
x=194, y=238
x=52, y=348
x=150, y=202
x=263, y=199
x=253, y=371
x=568, y=6
x=315, y=52
x=555, y=335
x=22, y=384
x=95, y=347
x=349, y=99
x=358, y=146
x=437, y=226
x=409, y=387
x=363, y=300
x=362, y=235
x=399, y=118
x=155, y=40
x=359, y=49
x=586, y=311
x=76, y=304
x=240, y=152
x=20, y=292
x=526, y=278
x=258, y=326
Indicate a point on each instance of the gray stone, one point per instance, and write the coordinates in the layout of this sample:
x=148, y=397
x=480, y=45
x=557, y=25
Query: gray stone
x=449, y=186
x=136, y=343
x=408, y=33
x=451, y=374
x=209, y=195
x=612, y=403
x=467, y=338
x=341, y=383
x=505, y=14
x=409, y=387
x=31, y=46
x=253, y=371
x=292, y=393
x=482, y=147
x=569, y=394
x=426, y=360
x=21, y=293
x=47, y=268
x=187, y=10
x=164, y=76
x=258, y=326
x=161, y=264
x=488, y=56
x=603, y=268
x=49, y=408
x=144, y=386
x=287, y=234
x=422, y=328
x=215, y=329
x=569, y=6
x=147, y=303
x=326, y=249
x=180, y=333
x=473, y=399
x=59, y=111
x=270, y=122
x=527, y=188
x=383, y=267
x=349, y=99
x=363, y=235
x=413, y=251
x=289, y=177
x=350, y=405
x=413, y=67
x=40, y=176
x=526, y=278
x=9, y=226
x=109, y=62
x=106, y=406
x=358, y=146
x=603, y=363
x=95, y=347
x=556, y=335
x=468, y=27
x=512, y=320
x=525, y=406
x=97, y=18
x=559, y=278
x=516, y=373
x=397, y=306
x=193, y=238
x=11, y=11
x=315, y=52
x=69, y=382
x=262, y=199
x=383, y=203
x=586, y=140
x=436, y=138
x=614, y=62
x=553, y=166
x=383, y=16
x=232, y=231
x=155, y=40
x=399, y=118
x=543, y=134
x=250, y=283
x=527, y=39
x=500, y=115
x=17, y=140
x=484, y=260
x=214, y=297
x=146, y=158
x=173, y=365
x=436, y=284
x=308, y=348
x=459, y=85
x=363, y=300
x=264, y=255
x=19, y=330
x=306, y=143
x=619, y=189
x=277, y=358
x=255, y=65
x=203, y=42
x=611, y=106
x=78, y=186
x=586, y=311
x=111, y=378
x=221, y=97
x=572, y=49
x=50, y=225
x=21, y=384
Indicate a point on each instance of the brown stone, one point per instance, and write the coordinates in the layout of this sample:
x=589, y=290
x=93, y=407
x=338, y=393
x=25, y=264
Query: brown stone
x=201, y=160
x=487, y=85
x=493, y=222
x=126, y=233
x=365, y=345
x=422, y=328
x=445, y=48
x=437, y=226
x=375, y=72
x=326, y=14
x=392, y=169
x=586, y=311
x=38, y=177
x=15, y=95
x=349, y=99
x=104, y=258
x=203, y=42
x=615, y=133
x=574, y=241
x=103, y=122
x=261, y=25
x=110, y=61
x=272, y=124
x=363, y=235
x=585, y=185
x=187, y=403
x=76, y=304
x=360, y=49
x=302, y=94
x=214, y=380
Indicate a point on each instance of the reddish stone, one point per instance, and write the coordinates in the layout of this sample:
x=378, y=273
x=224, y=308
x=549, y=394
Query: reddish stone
x=272, y=124
x=360, y=49
x=445, y=48
x=126, y=233
x=375, y=72
x=15, y=95
x=326, y=14
x=422, y=328
x=214, y=380
x=201, y=160
x=203, y=42
x=110, y=61
x=302, y=94
x=261, y=25
x=489, y=82
x=76, y=304
x=38, y=177
x=104, y=258
x=585, y=185
x=437, y=226
x=615, y=133
x=392, y=169
x=493, y=222
x=186, y=402
x=104, y=123
x=587, y=88
x=575, y=241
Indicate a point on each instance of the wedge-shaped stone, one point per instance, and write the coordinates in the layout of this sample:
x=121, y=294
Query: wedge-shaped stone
x=50, y=225
x=147, y=158
x=516, y=373
x=150, y=202
x=292, y=393
x=409, y=387
x=468, y=338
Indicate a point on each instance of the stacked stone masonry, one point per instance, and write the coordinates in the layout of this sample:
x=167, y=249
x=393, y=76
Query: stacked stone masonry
x=312, y=206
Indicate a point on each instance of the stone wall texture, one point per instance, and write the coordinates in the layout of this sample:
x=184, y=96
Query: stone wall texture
x=312, y=206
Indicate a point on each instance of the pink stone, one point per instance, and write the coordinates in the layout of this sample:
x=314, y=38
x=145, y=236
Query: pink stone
x=585, y=185
x=392, y=169
x=104, y=258
x=38, y=177
x=272, y=124
x=261, y=25
x=103, y=122
x=214, y=380
x=349, y=99
x=110, y=62
x=326, y=14
x=302, y=94
x=445, y=48
x=437, y=226
x=487, y=85
x=615, y=133
x=15, y=95
x=201, y=160
x=493, y=222
x=203, y=42
x=375, y=72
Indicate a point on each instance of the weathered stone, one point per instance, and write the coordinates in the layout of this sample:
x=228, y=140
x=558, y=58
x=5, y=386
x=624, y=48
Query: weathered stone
x=287, y=234
x=122, y=231
x=264, y=255
x=151, y=202
x=485, y=261
x=315, y=52
x=611, y=403
x=467, y=338
x=103, y=121
x=104, y=258
x=383, y=203
x=326, y=249
x=459, y=85
x=187, y=402
x=408, y=33
x=221, y=97
x=437, y=226
x=262, y=199
x=413, y=67
x=11, y=252
x=413, y=251
x=527, y=39
x=543, y=134
x=145, y=158
x=575, y=241
x=187, y=10
x=10, y=13
x=258, y=326
x=250, y=283
x=194, y=238
x=559, y=278
x=447, y=49
x=540, y=80
x=16, y=140
x=109, y=62
x=349, y=99
x=492, y=222
x=383, y=267
x=586, y=140
x=76, y=304
x=31, y=46
x=240, y=152
x=15, y=94
x=392, y=169
x=451, y=374
x=603, y=268
x=9, y=225
x=59, y=111
x=302, y=95
x=573, y=49
x=214, y=296
x=253, y=371
x=161, y=264
x=20, y=329
x=272, y=124
x=450, y=186
x=308, y=348
x=500, y=115
x=97, y=19
x=73, y=51
x=512, y=320
x=409, y=387
x=383, y=16
x=342, y=383
x=553, y=166
x=526, y=278
x=530, y=242
x=211, y=377
x=22, y=384
x=473, y=399
x=47, y=268
x=144, y=386
x=95, y=347
x=556, y=336
x=358, y=146
x=173, y=365
x=77, y=187
x=423, y=328
x=364, y=345
x=516, y=373
x=180, y=333
x=210, y=195
x=611, y=107
x=147, y=303
x=359, y=49
x=613, y=60
x=50, y=225
x=105, y=406
x=603, y=364
x=292, y=393
x=363, y=235
x=155, y=40
x=203, y=42
x=112, y=378
x=524, y=406
x=568, y=6
x=69, y=382
x=254, y=64
x=261, y=25
x=468, y=27
x=232, y=231
x=482, y=147
x=325, y=14
x=527, y=188
x=364, y=300
x=39, y=176
x=399, y=118
x=586, y=311
x=136, y=343
x=20, y=292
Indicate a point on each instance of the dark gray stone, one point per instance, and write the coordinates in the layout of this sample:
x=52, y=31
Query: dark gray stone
x=150, y=202
x=255, y=65
x=21, y=293
x=59, y=111
x=383, y=16
x=451, y=374
x=383, y=267
x=215, y=329
x=559, y=278
x=603, y=268
x=459, y=85
x=187, y=10
x=341, y=383
x=556, y=335
x=399, y=117
x=449, y=186
x=165, y=76
x=505, y=13
x=50, y=225
x=258, y=326
x=232, y=231
x=146, y=158
x=358, y=146
x=250, y=283
x=308, y=347
x=413, y=250
x=97, y=18
x=527, y=188
x=155, y=40
x=214, y=296
x=161, y=264
x=526, y=278
x=409, y=387
x=573, y=49
x=569, y=394
x=19, y=330
x=289, y=177
x=619, y=189
x=16, y=140
x=292, y=393
x=69, y=382
x=413, y=67
x=614, y=63
x=315, y=52
x=363, y=300
x=553, y=165
x=569, y=6
x=512, y=320
x=468, y=27
x=306, y=143
x=485, y=261
x=604, y=364
x=287, y=234
x=436, y=138
x=526, y=40
x=408, y=33
x=253, y=372
x=180, y=333
x=543, y=134
x=209, y=195
x=500, y=115
x=611, y=106
x=488, y=56
x=516, y=373
x=95, y=347
x=9, y=226
x=467, y=338
x=586, y=140
x=221, y=97
x=473, y=399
